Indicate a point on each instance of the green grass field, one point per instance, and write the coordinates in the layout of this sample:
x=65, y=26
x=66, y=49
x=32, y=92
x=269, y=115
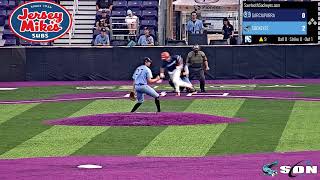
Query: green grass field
x=272, y=125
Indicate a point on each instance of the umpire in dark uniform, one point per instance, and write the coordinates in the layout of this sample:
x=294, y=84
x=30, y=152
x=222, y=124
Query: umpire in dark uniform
x=198, y=64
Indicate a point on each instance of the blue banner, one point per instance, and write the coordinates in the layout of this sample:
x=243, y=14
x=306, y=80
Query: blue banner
x=275, y=15
x=274, y=28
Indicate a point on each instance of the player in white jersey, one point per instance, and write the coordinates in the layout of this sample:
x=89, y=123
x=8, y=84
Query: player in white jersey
x=142, y=76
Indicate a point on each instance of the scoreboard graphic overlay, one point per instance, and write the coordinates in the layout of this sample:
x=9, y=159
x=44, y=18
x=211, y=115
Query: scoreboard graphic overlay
x=280, y=22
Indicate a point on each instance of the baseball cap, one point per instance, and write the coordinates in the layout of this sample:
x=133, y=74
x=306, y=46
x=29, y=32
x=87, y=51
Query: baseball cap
x=147, y=59
x=129, y=12
x=165, y=55
x=103, y=29
x=196, y=47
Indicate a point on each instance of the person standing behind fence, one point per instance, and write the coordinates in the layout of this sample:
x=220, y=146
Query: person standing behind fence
x=198, y=63
x=194, y=26
x=227, y=29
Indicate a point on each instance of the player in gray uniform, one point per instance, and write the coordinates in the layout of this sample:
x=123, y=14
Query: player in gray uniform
x=142, y=76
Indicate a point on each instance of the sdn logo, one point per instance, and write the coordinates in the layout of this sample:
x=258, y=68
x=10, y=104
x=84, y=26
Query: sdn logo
x=300, y=168
x=40, y=21
x=267, y=169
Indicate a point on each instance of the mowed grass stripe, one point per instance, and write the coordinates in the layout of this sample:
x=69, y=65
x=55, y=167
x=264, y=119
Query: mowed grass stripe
x=166, y=106
x=266, y=122
x=193, y=140
x=29, y=123
x=129, y=140
x=28, y=93
x=302, y=129
x=9, y=111
x=65, y=140
x=56, y=141
x=120, y=141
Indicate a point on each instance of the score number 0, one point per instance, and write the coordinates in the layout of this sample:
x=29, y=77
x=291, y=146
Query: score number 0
x=303, y=15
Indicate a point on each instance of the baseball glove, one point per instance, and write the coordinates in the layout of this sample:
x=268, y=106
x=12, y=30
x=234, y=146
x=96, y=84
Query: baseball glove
x=132, y=96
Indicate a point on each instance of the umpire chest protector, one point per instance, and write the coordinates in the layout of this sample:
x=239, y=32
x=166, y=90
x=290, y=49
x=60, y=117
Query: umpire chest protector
x=196, y=59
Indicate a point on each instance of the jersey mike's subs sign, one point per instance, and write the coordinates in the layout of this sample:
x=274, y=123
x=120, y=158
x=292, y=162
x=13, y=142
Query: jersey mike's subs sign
x=40, y=21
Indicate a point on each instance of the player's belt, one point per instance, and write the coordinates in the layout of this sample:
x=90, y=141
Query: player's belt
x=140, y=84
x=196, y=65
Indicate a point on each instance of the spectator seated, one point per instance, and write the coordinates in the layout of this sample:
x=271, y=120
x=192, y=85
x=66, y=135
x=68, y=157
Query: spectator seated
x=146, y=12
x=102, y=39
x=102, y=21
x=99, y=25
x=146, y=39
x=132, y=22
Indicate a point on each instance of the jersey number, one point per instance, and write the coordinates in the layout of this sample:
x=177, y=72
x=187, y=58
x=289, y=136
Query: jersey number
x=138, y=72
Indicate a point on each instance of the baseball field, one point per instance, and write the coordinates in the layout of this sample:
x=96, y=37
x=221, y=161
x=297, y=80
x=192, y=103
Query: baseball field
x=48, y=129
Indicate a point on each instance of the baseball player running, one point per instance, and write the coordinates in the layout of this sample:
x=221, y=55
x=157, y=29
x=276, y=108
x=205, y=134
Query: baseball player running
x=174, y=65
x=142, y=76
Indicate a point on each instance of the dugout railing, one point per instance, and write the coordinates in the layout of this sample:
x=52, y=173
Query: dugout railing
x=75, y=10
